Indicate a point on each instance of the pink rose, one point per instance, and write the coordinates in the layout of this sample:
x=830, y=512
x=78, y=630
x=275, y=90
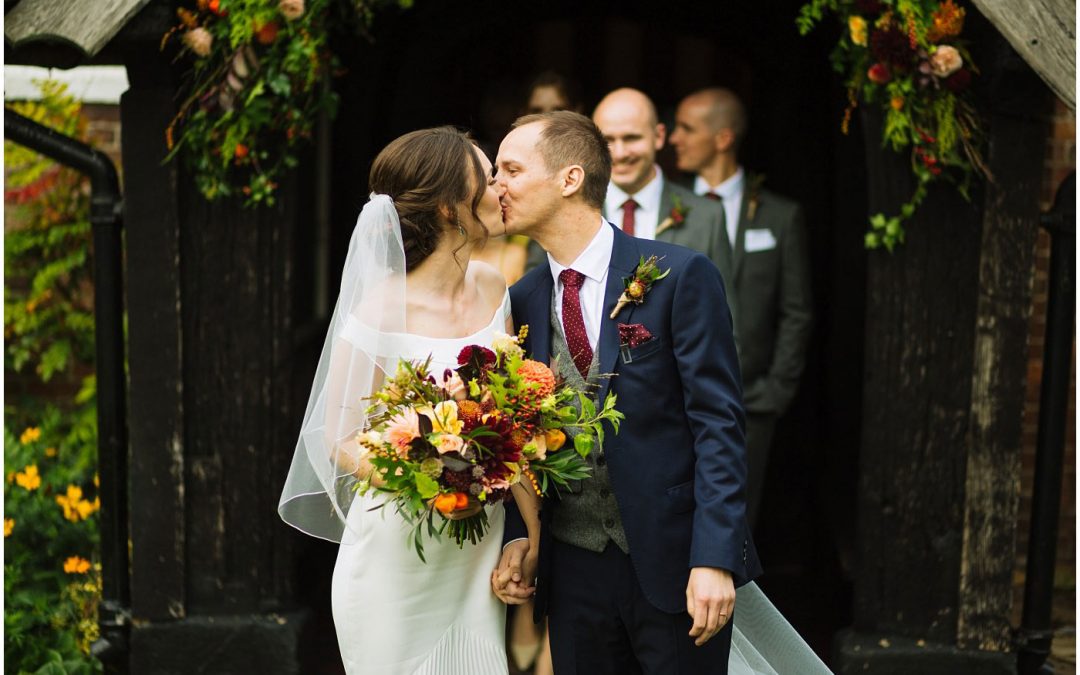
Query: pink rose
x=449, y=443
x=199, y=40
x=454, y=386
x=946, y=61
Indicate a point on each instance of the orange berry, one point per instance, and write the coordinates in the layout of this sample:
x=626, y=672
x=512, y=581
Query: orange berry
x=446, y=503
x=462, y=500
x=555, y=439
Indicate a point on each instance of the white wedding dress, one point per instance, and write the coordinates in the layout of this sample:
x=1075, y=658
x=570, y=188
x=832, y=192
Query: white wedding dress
x=396, y=615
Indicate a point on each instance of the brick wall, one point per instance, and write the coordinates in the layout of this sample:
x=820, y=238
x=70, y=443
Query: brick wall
x=1060, y=161
x=103, y=128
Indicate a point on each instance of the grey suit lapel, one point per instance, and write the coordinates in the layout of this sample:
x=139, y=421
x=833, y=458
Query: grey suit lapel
x=667, y=204
x=739, y=249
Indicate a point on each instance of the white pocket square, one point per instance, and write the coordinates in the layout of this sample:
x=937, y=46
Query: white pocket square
x=759, y=240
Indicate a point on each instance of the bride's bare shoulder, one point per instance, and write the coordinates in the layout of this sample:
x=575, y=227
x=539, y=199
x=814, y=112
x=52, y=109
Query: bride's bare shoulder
x=384, y=303
x=489, y=280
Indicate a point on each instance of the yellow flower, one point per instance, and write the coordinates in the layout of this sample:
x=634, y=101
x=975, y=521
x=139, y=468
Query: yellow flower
x=9, y=525
x=28, y=478
x=11, y=477
x=76, y=565
x=50, y=452
x=85, y=509
x=897, y=102
x=97, y=480
x=444, y=419
x=857, y=28
x=30, y=435
x=75, y=507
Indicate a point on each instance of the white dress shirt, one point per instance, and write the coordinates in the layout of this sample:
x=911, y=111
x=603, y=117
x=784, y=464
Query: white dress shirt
x=593, y=263
x=731, y=191
x=647, y=215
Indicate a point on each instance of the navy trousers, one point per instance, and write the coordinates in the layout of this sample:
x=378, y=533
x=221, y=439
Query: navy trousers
x=601, y=623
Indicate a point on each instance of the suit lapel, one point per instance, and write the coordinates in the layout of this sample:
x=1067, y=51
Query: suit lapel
x=667, y=205
x=740, y=230
x=624, y=258
x=538, y=314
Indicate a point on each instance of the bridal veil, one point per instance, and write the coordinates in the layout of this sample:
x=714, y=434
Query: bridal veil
x=358, y=351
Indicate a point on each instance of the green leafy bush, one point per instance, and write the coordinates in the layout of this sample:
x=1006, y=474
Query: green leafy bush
x=52, y=582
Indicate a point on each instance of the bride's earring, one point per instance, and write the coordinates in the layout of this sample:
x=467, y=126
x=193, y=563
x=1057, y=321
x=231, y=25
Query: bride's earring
x=457, y=222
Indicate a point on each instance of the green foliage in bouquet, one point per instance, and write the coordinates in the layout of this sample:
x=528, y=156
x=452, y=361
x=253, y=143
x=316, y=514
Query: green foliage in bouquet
x=907, y=58
x=442, y=446
x=52, y=586
x=259, y=79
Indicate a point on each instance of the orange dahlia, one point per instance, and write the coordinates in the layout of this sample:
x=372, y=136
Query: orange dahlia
x=534, y=372
x=469, y=412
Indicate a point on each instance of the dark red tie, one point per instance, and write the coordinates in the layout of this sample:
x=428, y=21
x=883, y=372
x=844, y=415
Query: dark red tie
x=573, y=322
x=713, y=196
x=628, y=216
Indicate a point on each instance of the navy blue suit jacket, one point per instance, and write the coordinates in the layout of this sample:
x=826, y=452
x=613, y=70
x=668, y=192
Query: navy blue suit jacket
x=677, y=466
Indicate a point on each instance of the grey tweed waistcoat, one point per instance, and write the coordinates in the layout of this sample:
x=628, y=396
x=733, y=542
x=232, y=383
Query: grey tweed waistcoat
x=587, y=517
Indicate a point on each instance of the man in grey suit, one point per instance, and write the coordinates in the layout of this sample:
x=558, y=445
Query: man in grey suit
x=660, y=209
x=769, y=280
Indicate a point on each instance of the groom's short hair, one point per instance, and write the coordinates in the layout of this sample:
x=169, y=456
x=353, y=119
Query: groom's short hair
x=571, y=138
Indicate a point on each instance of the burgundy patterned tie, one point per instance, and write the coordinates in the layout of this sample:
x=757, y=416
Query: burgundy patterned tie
x=713, y=196
x=573, y=322
x=628, y=216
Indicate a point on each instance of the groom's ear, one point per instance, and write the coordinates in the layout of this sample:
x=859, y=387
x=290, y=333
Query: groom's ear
x=573, y=178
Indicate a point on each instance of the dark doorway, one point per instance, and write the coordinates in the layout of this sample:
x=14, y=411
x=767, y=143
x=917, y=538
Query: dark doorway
x=468, y=63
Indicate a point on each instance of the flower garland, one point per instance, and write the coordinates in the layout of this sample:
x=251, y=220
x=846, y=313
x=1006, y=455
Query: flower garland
x=905, y=56
x=259, y=79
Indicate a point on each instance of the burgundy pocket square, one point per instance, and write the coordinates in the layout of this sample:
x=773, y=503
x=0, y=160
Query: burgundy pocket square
x=633, y=334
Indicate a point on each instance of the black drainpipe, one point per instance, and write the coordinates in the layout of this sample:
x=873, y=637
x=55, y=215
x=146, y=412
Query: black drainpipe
x=106, y=204
x=1036, y=631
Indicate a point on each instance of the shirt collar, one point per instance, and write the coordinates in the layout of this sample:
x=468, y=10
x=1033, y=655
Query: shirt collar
x=729, y=189
x=593, y=262
x=647, y=198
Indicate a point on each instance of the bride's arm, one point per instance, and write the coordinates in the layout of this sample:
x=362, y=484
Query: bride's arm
x=352, y=376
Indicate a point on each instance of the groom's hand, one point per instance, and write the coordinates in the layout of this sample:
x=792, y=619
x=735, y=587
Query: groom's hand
x=710, y=600
x=507, y=580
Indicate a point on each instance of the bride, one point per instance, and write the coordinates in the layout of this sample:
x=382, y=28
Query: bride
x=408, y=292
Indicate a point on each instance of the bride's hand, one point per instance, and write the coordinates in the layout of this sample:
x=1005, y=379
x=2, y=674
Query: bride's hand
x=507, y=580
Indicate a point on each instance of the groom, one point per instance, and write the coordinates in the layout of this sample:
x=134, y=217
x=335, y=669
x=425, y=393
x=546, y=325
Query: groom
x=638, y=565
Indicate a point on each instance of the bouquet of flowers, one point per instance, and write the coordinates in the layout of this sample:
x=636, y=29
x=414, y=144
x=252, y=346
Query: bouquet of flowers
x=444, y=444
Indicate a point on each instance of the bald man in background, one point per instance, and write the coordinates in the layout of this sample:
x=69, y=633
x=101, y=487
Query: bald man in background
x=640, y=200
x=769, y=280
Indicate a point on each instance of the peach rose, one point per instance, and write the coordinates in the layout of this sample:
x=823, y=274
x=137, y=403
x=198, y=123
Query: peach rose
x=449, y=443
x=537, y=447
x=291, y=9
x=946, y=61
x=199, y=40
x=454, y=386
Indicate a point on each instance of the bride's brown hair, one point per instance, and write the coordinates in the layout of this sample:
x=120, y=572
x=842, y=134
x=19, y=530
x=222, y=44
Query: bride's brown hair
x=427, y=173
